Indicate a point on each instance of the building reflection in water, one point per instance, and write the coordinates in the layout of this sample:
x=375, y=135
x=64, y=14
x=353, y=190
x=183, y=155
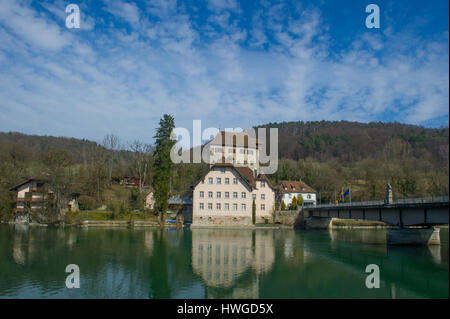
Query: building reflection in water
x=22, y=244
x=222, y=256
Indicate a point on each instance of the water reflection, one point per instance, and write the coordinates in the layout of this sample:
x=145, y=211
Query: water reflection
x=215, y=263
x=221, y=256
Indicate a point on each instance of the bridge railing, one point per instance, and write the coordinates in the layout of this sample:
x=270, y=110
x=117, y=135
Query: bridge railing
x=420, y=200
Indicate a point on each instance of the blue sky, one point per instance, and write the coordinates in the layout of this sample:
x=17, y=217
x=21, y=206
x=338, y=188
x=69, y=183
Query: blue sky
x=228, y=63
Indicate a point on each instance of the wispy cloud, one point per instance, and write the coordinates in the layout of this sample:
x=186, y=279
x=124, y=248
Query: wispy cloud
x=278, y=66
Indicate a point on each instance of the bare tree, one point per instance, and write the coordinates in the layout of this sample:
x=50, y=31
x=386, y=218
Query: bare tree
x=142, y=158
x=111, y=143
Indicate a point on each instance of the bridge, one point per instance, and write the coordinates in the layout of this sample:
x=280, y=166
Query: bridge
x=426, y=211
x=401, y=213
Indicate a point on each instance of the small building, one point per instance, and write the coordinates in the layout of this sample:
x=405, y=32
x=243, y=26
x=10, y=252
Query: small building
x=150, y=200
x=180, y=206
x=224, y=197
x=32, y=193
x=286, y=190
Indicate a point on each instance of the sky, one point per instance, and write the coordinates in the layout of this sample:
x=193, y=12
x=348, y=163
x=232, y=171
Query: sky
x=227, y=63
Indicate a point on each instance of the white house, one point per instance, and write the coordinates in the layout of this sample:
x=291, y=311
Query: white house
x=286, y=190
x=224, y=196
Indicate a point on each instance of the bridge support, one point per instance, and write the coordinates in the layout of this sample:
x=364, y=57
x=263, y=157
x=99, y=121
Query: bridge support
x=414, y=236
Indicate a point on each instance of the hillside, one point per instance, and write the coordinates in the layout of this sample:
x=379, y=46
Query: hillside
x=34, y=145
x=329, y=156
x=353, y=141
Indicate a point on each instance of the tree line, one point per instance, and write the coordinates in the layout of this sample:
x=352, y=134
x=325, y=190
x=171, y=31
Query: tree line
x=328, y=156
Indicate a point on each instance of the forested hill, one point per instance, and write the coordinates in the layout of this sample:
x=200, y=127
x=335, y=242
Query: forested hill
x=328, y=156
x=354, y=141
x=346, y=141
x=33, y=145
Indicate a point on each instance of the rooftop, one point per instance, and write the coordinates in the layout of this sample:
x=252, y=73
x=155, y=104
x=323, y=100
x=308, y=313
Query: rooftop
x=295, y=187
x=234, y=139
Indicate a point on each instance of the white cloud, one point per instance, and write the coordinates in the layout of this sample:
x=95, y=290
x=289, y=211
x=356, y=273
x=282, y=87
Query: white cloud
x=122, y=82
x=23, y=22
x=128, y=11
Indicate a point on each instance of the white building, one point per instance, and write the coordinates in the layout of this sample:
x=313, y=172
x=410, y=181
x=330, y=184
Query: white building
x=224, y=196
x=238, y=149
x=286, y=190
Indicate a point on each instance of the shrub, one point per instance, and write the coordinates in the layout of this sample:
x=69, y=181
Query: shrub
x=299, y=201
x=294, y=203
x=87, y=202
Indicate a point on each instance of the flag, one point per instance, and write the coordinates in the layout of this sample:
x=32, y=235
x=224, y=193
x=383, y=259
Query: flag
x=346, y=193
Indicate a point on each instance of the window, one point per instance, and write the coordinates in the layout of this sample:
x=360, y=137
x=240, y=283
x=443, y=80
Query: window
x=227, y=194
x=202, y=206
x=210, y=194
x=218, y=194
x=263, y=184
x=309, y=196
x=235, y=207
x=209, y=206
x=243, y=207
x=202, y=194
x=210, y=180
x=218, y=206
x=254, y=196
x=263, y=196
x=222, y=170
x=235, y=180
x=227, y=180
x=243, y=194
x=235, y=195
x=218, y=180
x=290, y=195
x=263, y=207
x=227, y=206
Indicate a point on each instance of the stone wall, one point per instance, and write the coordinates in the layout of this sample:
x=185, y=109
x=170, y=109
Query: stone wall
x=285, y=217
x=222, y=220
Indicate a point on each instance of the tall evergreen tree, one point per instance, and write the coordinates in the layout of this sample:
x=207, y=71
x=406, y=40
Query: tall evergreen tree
x=163, y=165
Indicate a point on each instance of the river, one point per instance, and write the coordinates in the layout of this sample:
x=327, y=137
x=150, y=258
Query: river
x=215, y=263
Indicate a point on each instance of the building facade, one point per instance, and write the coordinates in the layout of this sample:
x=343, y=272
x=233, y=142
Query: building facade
x=287, y=190
x=31, y=194
x=237, y=148
x=224, y=196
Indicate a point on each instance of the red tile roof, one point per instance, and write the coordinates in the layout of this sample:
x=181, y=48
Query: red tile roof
x=295, y=187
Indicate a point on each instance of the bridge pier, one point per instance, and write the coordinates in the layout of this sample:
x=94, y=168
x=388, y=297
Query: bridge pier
x=414, y=236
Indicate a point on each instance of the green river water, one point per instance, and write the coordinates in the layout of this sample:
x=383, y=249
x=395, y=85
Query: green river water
x=215, y=263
